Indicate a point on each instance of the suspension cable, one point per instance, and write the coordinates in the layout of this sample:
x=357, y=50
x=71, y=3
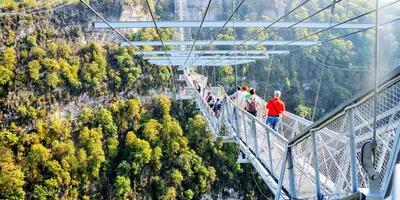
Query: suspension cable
x=219, y=31
x=376, y=68
x=338, y=24
x=269, y=72
x=108, y=24
x=342, y=36
x=323, y=63
x=329, y=28
x=234, y=46
x=198, y=32
x=157, y=30
x=276, y=21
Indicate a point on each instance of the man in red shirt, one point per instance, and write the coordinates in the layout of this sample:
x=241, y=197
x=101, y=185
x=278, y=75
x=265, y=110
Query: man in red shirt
x=275, y=108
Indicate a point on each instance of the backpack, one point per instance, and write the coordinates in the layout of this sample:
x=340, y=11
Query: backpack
x=251, y=107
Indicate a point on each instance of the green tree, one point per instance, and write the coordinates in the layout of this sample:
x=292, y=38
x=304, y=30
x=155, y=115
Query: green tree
x=9, y=59
x=34, y=69
x=11, y=176
x=122, y=186
x=31, y=40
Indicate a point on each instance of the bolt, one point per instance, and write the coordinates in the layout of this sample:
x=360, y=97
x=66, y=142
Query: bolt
x=374, y=177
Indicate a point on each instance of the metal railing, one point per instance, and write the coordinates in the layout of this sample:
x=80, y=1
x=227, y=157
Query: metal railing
x=326, y=156
x=315, y=160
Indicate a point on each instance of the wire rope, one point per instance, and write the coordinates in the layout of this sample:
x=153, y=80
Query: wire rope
x=219, y=31
x=329, y=28
x=198, y=32
x=349, y=34
x=108, y=24
x=259, y=188
x=276, y=21
x=323, y=63
x=234, y=46
x=269, y=73
x=158, y=31
x=376, y=71
x=338, y=24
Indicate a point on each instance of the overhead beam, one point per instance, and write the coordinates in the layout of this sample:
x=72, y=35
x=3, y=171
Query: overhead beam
x=221, y=43
x=204, y=57
x=212, y=52
x=217, y=24
x=201, y=62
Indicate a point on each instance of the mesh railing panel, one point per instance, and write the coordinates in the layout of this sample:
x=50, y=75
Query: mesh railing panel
x=332, y=142
x=303, y=163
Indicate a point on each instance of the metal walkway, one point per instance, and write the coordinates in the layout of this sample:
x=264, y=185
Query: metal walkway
x=320, y=160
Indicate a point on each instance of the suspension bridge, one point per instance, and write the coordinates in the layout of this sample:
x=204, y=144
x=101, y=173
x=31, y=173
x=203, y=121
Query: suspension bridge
x=351, y=153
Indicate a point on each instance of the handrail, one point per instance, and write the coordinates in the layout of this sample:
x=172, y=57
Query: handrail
x=255, y=118
x=340, y=110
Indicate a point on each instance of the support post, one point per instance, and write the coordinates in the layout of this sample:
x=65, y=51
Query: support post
x=282, y=175
x=316, y=167
x=245, y=130
x=270, y=152
x=254, y=130
x=236, y=122
x=353, y=152
x=292, y=179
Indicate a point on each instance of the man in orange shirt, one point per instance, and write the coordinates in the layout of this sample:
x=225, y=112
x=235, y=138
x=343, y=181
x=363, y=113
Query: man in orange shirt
x=275, y=108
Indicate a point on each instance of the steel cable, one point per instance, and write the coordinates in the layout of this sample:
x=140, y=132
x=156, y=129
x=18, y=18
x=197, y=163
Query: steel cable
x=323, y=63
x=105, y=21
x=219, y=31
x=198, y=32
x=157, y=30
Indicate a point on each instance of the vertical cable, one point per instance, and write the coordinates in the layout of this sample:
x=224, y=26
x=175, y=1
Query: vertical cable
x=158, y=32
x=376, y=66
x=269, y=72
x=108, y=24
x=234, y=45
x=323, y=62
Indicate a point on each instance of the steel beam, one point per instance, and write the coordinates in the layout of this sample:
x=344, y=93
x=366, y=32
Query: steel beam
x=217, y=24
x=221, y=43
x=204, y=57
x=210, y=52
x=199, y=63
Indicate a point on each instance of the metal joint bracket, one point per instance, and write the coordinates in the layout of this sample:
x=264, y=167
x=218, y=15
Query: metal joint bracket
x=367, y=159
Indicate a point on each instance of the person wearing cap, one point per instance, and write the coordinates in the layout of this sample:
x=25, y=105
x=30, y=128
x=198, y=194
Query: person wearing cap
x=275, y=108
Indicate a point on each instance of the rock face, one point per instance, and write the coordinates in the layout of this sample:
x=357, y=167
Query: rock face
x=196, y=10
x=226, y=194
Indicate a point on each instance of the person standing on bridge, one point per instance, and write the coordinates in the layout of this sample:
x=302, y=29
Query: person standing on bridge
x=253, y=104
x=236, y=94
x=243, y=97
x=274, y=108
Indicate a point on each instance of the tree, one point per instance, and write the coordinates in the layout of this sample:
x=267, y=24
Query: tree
x=176, y=176
x=6, y=77
x=11, y=176
x=52, y=80
x=9, y=59
x=170, y=194
x=37, y=53
x=64, y=51
x=52, y=50
x=122, y=186
x=34, y=69
x=31, y=40
x=90, y=141
x=303, y=111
